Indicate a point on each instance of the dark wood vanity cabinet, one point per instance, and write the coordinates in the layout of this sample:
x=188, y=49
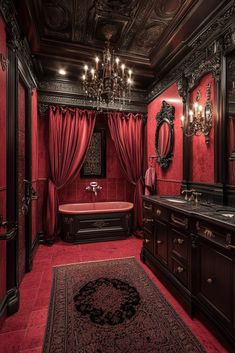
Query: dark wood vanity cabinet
x=190, y=253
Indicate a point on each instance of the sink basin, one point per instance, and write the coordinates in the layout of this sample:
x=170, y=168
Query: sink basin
x=175, y=200
x=228, y=215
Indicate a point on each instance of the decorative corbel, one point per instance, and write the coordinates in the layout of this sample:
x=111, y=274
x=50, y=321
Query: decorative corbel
x=4, y=62
x=182, y=86
x=42, y=109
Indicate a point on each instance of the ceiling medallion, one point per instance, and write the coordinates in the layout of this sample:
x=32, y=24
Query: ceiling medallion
x=107, y=81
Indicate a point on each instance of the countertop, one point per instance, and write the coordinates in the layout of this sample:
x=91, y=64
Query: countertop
x=209, y=211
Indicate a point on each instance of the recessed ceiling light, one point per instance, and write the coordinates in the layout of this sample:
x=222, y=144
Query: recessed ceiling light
x=62, y=72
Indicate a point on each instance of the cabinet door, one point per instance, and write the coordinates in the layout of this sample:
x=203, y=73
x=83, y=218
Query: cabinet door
x=161, y=241
x=178, y=245
x=216, y=284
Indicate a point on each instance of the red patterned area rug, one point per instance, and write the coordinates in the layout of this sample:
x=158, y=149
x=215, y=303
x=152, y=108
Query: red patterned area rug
x=112, y=307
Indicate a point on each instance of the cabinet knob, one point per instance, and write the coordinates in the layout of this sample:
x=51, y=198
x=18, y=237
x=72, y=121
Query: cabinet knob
x=209, y=280
x=159, y=242
x=146, y=207
x=146, y=241
x=158, y=212
x=147, y=220
x=208, y=233
x=179, y=269
x=178, y=241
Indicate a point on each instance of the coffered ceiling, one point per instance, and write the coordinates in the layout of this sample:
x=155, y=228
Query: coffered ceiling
x=150, y=36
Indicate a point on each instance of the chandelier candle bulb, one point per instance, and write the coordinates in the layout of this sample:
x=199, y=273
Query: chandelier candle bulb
x=96, y=62
x=190, y=116
x=93, y=73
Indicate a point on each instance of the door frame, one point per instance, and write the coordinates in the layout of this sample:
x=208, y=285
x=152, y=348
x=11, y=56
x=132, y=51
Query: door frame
x=17, y=72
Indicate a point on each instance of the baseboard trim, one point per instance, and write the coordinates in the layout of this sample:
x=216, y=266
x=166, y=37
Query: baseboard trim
x=41, y=237
x=13, y=301
x=3, y=310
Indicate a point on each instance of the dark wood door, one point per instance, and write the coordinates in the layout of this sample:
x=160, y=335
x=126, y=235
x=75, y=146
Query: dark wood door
x=216, y=284
x=161, y=242
x=24, y=185
x=22, y=208
x=3, y=183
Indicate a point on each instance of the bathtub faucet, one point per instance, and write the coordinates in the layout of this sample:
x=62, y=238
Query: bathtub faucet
x=94, y=187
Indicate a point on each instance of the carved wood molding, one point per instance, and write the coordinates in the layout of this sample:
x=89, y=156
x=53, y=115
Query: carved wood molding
x=45, y=100
x=75, y=89
x=3, y=62
x=203, y=58
x=15, y=41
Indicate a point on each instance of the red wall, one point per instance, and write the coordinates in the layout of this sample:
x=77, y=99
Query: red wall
x=114, y=186
x=202, y=154
x=169, y=179
x=3, y=186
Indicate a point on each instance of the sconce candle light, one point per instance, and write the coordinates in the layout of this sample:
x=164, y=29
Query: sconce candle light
x=199, y=119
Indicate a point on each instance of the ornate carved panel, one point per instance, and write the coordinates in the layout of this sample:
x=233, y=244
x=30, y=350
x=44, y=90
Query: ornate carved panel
x=94, y=165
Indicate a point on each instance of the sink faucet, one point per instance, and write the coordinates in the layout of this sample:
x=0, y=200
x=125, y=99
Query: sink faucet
x=187, y=192
x=94, y=187
x=195, y=196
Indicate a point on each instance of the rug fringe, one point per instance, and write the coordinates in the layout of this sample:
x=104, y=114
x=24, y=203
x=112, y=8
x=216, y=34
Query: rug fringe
x=86, y=262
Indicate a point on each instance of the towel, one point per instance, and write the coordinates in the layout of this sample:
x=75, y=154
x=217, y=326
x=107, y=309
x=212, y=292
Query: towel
x=150, y=181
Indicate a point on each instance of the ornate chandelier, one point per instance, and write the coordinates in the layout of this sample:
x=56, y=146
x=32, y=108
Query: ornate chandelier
x=108, y=81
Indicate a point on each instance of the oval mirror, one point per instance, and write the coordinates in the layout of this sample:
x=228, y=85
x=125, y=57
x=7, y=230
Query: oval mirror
x=164, y=134
x=164, y=137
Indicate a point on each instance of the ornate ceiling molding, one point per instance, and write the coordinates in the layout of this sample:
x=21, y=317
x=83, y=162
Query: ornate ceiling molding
x=57, y=16
x=14, y=38
x=163, y=11
x=45, y=100
x=201, y=59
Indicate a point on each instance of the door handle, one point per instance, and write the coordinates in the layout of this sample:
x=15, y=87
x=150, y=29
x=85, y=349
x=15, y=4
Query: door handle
x=10, y=234
x=3, y=223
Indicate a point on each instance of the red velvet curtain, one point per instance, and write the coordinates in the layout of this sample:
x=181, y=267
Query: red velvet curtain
x=70, y=131
x=127, y=132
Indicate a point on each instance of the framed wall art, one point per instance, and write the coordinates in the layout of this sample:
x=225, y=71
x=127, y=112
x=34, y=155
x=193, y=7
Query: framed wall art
x=94, y=165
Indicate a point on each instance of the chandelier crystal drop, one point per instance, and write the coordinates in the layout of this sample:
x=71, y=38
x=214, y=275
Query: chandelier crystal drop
x=107, y=81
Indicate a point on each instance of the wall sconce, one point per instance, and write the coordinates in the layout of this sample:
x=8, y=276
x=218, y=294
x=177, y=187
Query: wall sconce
x=199, y=120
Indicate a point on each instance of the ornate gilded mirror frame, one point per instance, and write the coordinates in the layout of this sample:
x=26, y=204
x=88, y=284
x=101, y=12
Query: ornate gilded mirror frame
x=165, y=116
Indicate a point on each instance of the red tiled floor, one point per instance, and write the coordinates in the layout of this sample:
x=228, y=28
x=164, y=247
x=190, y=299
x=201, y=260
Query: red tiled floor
x=10, y=342
x=24, y=331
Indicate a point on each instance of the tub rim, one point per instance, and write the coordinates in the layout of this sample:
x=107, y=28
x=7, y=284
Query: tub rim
x=126, y=208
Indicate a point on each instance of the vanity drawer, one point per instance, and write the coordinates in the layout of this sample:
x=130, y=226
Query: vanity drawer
x=148, y=241
x=148, y=224
x=179, y=220
x=161, y=242
x=216, y=234
x=147, y=208
x=179, y=270
x=178, y=244
x=161, y=213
